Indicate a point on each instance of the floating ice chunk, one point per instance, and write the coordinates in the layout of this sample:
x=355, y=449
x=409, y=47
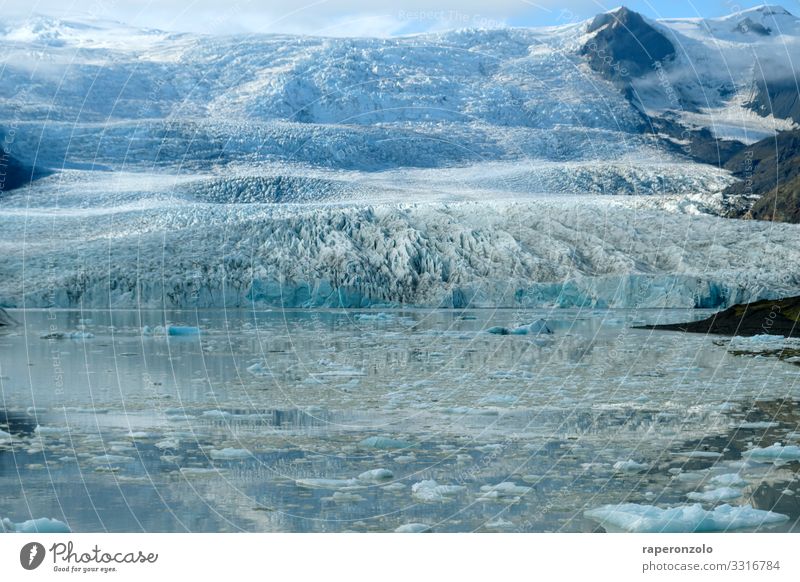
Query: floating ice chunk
x=62, y=335
x=374, y=316
x=430, y=490
x=759, y=424
x=685, y=518
x=698, y=454
x=414, y=528
x=376, y=475
x=498, y=399
x=139, y=435
x=326, y=483
x=182, y=330
x=405, y=458
x=499, y=524
x=504, y=490
x=5, y=437
x=147, y=330
x=201, y=471
x=110, y=459
x=41, y=525
x=382, y=442
x=394, y=487
x=168, y=444
x=216, y=414
x=630, y=466
x=537, y=327
x=715, y=495
x=729, y=480
x=258, y=369
x=229, y=454
x=773, y=454
x=344, y=497
x=49, y=430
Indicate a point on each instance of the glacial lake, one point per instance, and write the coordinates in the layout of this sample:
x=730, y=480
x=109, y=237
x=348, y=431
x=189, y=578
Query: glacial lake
x=347, y=420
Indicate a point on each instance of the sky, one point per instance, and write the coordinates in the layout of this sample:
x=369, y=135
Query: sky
x=359, y=17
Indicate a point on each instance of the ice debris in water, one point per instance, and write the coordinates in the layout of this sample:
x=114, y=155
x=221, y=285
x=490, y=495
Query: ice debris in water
x=326, y=483
x=715, y=495
x=60, y=335
x=229, y=454
x=4, y=437
x=504, y=490
x=258, y=369
x=430, y=490
x=382, y=442
x=729, y=480
x=376, y=475
x=773, y=454
x=630, y=466
x=181, y=330
x=41, y=525
x=633, y=517
x=414, y=528
x=537, y=327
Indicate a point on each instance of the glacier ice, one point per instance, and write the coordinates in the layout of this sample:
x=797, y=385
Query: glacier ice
x=40, y=525
x=687, y=518
x=548, y=251
x=776, y=453
x=376, y=475
x=715, y=495
x=413, y=528
x=429, y=490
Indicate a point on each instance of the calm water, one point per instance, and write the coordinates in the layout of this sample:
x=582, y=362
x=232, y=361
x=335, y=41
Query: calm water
x=265, y=420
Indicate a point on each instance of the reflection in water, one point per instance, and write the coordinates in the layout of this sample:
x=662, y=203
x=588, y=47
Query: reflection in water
x=271, y=421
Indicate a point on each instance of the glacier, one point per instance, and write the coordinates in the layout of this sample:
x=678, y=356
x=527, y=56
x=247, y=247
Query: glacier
x=472, y=168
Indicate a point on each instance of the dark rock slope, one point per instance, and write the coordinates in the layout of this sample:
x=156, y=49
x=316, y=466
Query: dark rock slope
x=624, y=45
x=769, y=172
x=776, y=317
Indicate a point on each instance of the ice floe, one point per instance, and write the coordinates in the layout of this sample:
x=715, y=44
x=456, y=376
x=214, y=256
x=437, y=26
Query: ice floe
x=430, y=490
x=376, y=475
x=413, y=528
x=229, y=454
x=505, y=490
x=41, y=525
x=630, y=466
x=776, y=453
x=715, y=495
x=685, y=518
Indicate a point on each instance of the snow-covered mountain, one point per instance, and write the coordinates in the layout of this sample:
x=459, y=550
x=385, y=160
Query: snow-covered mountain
x=329, y=166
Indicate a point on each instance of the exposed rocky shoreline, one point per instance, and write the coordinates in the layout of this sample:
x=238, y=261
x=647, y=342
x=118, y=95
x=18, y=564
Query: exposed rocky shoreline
x=770, y=316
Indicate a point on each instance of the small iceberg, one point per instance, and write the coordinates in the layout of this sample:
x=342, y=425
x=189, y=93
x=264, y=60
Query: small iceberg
x=326, y=483
x=62, y=335
x=382, y=442
x=632, y=517
x=229, y=454
x=182, y=330
x=729, y=480
x=536, y=328
x=630, y=466
x=41, y=525
x=430, y=490
x=504, y=490
x=715, y=495
x=773, y=454
x=258, y=369
x=414, y=528
x=376, y=475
